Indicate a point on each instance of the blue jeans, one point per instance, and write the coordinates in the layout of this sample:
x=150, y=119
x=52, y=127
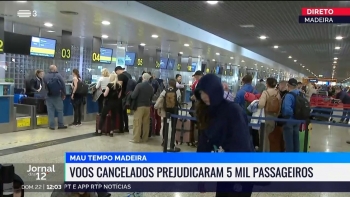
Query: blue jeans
x=291, y=137
x=55, y=104
x=345, y=116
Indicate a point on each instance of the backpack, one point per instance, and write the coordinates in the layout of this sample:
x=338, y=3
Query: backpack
x=54, y=86
x=130, y=86
x=302, y=107
x=273, y=104
x=170, y=100
x=82, y=88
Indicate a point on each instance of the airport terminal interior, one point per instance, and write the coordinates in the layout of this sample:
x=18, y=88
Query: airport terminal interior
x=165, y=38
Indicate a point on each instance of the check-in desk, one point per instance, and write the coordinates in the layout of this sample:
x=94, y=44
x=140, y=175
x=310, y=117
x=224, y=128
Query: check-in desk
x=90, y=108
x=42, y=120
x=25, y=117
x=7, y=114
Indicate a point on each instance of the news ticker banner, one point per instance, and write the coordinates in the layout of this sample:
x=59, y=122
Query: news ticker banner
x=325, y=15
x=159, y=172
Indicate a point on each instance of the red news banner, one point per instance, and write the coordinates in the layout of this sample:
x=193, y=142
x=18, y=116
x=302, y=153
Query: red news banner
x=325, y=15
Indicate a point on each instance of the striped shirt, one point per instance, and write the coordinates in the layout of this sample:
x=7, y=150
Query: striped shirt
x=228, y=96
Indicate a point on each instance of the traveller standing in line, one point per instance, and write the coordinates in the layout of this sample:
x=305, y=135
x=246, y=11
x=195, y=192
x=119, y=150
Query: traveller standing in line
x=111, y=95
x=142, y=95
x=163, y=106
x=227, y=94
x=222, y=130
x=56, y=94
x=270, y=100
x=123, y=78
x=282, y=87
x=247, y=87
x=76, y=99
x=260, y=87
x=101, y=86
x=290, y=130
x=179, y=85
x=345, y=99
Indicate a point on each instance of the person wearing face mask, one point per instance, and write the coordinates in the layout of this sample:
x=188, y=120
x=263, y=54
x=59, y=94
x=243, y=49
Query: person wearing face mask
x=224, y=128
x=282, y=87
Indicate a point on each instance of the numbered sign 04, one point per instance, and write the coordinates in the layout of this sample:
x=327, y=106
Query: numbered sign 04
x=95, y=57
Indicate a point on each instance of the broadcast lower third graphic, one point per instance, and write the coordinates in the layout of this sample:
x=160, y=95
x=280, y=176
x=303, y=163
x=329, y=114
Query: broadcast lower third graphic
x=24, y=13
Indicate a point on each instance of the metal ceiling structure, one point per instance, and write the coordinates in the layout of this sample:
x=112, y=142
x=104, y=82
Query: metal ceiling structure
x=242, y=22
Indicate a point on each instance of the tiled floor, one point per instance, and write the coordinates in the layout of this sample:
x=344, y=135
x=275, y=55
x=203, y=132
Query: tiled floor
x=323, y=139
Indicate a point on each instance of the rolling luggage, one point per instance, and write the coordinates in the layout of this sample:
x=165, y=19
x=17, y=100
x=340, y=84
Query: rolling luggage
x=276, y=140
x=106, y=127
x=302, y=138
x=183, y=130
x=38, y=102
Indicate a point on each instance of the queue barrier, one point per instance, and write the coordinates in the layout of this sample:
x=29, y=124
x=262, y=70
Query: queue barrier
x=260, y=124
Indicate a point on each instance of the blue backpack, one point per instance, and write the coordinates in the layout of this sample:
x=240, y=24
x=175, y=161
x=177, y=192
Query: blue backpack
x=54, y=86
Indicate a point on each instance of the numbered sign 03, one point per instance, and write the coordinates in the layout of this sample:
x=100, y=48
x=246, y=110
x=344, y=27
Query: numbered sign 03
x=65, y=53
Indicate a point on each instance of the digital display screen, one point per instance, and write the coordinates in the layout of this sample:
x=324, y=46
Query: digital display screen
x=43, y=47
x=163, y=63
x=171, y=64
x=193, y=67
x=313, y=80
x=94, y=78
x=130, y=59
x=106, y=55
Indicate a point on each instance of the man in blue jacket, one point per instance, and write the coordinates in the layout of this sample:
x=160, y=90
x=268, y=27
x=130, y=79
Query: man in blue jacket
x=290, y=130
x=247, y=87
x=345, y=99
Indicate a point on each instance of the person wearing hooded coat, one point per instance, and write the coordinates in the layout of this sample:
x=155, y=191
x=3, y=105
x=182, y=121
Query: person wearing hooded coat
x=223, y=125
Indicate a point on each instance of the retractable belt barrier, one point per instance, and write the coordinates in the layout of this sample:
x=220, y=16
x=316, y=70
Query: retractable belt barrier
x=260, y=124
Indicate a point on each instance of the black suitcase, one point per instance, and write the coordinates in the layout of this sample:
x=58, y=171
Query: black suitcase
x=38, y=102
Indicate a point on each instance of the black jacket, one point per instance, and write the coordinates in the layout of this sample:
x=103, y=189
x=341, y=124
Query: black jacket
x=32, y=85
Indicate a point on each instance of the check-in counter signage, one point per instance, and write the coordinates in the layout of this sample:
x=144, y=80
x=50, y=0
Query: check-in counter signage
x=23, y=122
x=2, y=35
x=42, y=120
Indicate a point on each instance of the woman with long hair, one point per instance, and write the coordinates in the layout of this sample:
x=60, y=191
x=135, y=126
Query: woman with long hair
x=224, y=128
x=111, y=94
x=101, y=86
x=76, y=99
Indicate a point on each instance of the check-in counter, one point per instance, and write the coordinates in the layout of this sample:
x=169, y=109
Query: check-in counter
x=7, y=115
x=25, y=116
x=42, y=120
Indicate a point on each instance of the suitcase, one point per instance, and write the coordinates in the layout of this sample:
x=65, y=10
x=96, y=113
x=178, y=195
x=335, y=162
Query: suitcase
x=276, y=140
x=38, y=102
x=183, y=130
x=302, y=138
x=106, y=127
